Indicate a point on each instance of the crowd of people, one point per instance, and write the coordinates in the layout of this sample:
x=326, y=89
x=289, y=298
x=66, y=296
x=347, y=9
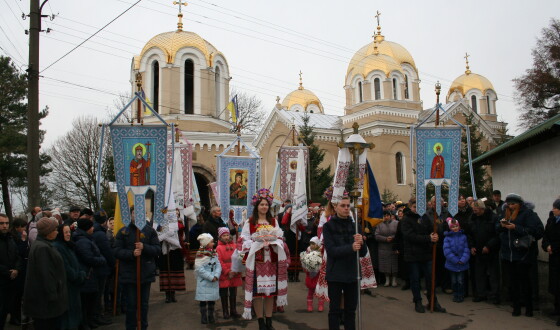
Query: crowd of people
x=72, y=270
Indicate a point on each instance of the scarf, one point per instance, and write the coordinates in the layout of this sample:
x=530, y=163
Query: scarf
x=281, y=275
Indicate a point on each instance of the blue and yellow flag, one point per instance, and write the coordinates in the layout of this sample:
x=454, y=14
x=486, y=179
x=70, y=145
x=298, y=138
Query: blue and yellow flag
x=372, y=209
x=147, y=112
x=233, y=110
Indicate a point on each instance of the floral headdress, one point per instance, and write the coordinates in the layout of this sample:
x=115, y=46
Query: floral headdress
x=328, y=193
x=262, y=193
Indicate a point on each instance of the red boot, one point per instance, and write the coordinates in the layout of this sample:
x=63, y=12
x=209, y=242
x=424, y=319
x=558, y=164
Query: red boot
x=321, y=305
x=310, y=305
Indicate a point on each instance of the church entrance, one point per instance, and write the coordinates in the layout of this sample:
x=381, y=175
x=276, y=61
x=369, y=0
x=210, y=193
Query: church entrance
x=204, y=192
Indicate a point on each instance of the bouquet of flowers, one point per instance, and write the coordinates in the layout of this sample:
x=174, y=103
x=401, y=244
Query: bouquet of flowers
x=266, y=233
x=311, y=261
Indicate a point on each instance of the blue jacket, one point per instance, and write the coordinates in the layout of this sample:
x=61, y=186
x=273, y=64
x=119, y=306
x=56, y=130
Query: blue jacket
x=526, y=223
x=100, y=238
x=206, y=290
x=124, y=251
x=456, y=251
x=338, y=237
x=89, y=257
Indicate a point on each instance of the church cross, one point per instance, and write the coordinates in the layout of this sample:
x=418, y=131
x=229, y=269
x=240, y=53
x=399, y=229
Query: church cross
x=180, y=15
x=378, y=24
x=468, y=71
x=300, y=80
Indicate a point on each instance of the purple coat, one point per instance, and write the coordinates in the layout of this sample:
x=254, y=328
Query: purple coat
x=456, y=249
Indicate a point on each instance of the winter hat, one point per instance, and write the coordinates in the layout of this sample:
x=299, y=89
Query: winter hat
x=84, y=224
x=46, y=226
x=87, y=212
x=74, y=209
x=315, y=240
x=222, y=230
x=556, y=204
x=100, y=217
x=514, y=198
x=453, y=223
x=204, y=239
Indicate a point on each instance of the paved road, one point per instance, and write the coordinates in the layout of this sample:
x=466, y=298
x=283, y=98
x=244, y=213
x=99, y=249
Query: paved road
x=391, y=308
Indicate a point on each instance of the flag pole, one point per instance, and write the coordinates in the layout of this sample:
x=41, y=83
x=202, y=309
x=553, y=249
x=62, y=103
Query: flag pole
x=434, y=246
x=138, y=266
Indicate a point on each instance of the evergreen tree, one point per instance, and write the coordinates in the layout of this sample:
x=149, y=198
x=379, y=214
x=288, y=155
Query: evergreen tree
x=320, y=178
x=481, y=181
x=13, y=125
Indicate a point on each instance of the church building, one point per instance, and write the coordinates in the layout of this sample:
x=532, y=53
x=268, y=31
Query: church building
x=187, y=80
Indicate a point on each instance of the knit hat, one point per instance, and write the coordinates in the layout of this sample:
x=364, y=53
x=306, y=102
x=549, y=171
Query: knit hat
x=100, y=217
x=514, y=198
x=84, y=224
x=315, y=240
x=453, y=223
x=222, y=230
x=204, y=239
x=46, y=226
x=556, y=204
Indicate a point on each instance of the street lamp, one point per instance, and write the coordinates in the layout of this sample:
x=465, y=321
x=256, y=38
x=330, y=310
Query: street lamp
x=438, y=91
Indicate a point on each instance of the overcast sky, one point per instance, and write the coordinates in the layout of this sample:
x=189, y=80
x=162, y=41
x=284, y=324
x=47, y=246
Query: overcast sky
x=266, y=43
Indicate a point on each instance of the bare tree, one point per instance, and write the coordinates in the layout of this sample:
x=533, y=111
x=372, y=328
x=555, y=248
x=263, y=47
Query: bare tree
x=74, y=164
x=251, y=112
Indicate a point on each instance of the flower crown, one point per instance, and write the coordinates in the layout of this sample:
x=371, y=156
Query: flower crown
x=262, y=193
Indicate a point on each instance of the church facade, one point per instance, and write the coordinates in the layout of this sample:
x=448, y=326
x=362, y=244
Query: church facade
x=187, y=79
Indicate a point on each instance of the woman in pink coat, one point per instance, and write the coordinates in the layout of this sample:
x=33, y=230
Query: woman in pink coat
x=229, y=281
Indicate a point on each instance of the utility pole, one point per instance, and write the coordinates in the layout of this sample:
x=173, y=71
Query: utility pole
x=33, y=165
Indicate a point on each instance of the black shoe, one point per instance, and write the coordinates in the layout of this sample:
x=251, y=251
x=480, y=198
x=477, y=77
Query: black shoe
x=405, y=287
x=516, y=311
x=172, y=296
x=418, y=307
x=479, y=299
x=204, y=315
x=439, y=309
x=167, y=297
x=262, y=325
x=268, y=321
x=529, y=313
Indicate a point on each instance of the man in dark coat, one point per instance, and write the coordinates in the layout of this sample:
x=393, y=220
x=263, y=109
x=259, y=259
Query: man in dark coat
x=9, y=269
x=214, y=222
x=418, y=239
x=497, y=203
x=341, y=243
x=102, y=241
x=45, y=298
x=485, y=248
x=127, y=249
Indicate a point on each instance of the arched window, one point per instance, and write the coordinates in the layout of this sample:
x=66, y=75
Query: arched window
x=406, y=96
x=217, y=88
x=155, y=85
x=473, y=104
x=488, y=104
x=399, y=167
x=360, y=92
x=189, y=87
x=395, y=89
x=377, y=88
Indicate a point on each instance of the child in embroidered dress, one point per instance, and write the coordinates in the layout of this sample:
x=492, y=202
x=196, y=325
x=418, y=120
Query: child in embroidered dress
x=207, y=269
x=311, y=263
x=229, y=279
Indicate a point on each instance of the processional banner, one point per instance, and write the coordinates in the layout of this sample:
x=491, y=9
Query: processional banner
x=342, y=171
x=438, y=161
x=140, y=166
x=182, y=183
x=288, y=160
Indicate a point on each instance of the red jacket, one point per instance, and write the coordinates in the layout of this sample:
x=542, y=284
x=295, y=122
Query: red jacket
x=225, y=250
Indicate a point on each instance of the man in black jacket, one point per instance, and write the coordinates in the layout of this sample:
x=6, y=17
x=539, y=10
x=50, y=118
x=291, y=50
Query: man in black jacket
x=418, y=239
x=102, y=241
x=485, y=246
x=9, y=269
x=341, y=243
x=214, y=222
x=127, y=250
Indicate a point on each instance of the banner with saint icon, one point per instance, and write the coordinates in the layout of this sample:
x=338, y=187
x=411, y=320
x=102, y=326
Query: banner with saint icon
x=438, y=161
x=140, y=169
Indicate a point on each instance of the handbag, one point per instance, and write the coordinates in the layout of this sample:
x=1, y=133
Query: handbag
x=524, y=242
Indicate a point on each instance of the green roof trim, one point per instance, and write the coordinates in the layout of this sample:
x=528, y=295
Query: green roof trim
x=542, y=128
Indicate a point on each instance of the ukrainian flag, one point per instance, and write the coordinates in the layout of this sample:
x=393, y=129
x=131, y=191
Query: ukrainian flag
x=147, y=112
x=233, y=110
x=118, y=223
x=372, y=209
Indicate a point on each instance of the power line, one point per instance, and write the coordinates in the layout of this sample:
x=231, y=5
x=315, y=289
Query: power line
x=93, y=35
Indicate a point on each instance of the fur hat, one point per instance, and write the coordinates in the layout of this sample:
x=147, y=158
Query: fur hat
x=85, y=224
x=204, y=239
x=315, y=240
x=514, y=198
x=45, y=226
x=222, y=230
x=556, y=204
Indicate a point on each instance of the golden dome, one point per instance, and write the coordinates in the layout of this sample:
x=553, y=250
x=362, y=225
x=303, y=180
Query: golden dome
x=468, y=81
x=302, y=97
x=171, y=42
x=391, y=49
x=381, y=62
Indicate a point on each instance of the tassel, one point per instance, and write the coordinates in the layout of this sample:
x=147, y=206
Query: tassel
x=282, y=300
x=247, y=313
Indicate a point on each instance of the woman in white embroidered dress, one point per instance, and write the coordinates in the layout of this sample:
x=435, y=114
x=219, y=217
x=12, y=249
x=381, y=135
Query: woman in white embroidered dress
x=266, y=260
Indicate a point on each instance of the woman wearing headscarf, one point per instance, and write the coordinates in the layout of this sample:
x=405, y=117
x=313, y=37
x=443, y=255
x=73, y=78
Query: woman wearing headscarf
x=519, y=228
x=551, y=244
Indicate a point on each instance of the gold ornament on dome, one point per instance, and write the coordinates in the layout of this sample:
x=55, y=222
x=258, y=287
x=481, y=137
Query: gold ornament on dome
x=469, y=80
